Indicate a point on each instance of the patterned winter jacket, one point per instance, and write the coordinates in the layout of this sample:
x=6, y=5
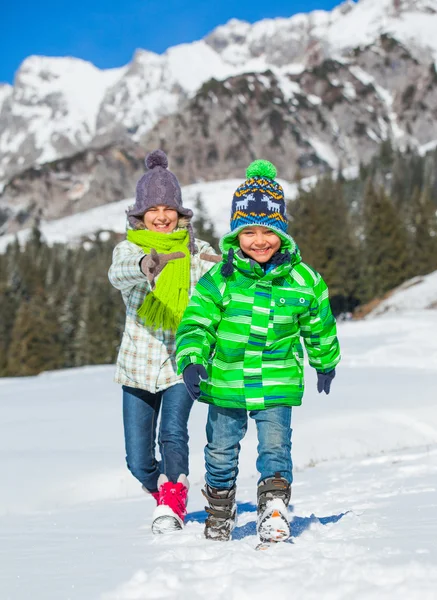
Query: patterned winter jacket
x=246, y=330
x=146, y=358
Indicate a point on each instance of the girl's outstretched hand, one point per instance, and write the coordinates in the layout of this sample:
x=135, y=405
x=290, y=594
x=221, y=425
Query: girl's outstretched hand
x=153, y=263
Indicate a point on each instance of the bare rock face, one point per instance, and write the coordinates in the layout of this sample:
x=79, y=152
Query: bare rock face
x=313, y=92
x=83, y=181
x=329, y=116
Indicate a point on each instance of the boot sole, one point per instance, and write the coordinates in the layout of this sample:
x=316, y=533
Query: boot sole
x=165, y=524
x=273, y=525
x=165, y=520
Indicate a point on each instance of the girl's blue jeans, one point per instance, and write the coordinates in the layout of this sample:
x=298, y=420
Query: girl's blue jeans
x=140, y=416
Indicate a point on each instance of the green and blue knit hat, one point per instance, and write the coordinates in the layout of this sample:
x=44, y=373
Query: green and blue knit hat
x=260, y=199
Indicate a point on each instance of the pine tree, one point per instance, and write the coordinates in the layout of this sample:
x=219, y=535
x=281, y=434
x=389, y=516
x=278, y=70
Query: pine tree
x=385, y=246
x=424, y=220
x=322, y=228
x=34, y=262
x=386, y=155
x=306, y=226
x=7, y=317
x=430, y=175
x=202, y=225
x=68, y=319
x=35, y=343
x=100, y=313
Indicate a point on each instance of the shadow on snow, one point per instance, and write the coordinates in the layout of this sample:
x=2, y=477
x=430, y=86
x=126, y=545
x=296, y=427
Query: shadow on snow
x=298, y=524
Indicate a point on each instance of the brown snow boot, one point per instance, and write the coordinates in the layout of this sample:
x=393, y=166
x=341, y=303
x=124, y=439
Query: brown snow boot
x=222, y=513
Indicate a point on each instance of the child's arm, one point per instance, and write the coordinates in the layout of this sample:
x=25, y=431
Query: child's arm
x=207, y=258
x=197, y=331
x=125, y=271
x=130, y=266
x=319, y=330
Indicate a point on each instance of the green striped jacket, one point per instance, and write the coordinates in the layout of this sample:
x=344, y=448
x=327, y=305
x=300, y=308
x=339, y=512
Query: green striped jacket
x=246, y=330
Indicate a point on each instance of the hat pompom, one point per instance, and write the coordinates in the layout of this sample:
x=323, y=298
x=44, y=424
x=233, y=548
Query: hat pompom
x=261, y=168
x=157, y=158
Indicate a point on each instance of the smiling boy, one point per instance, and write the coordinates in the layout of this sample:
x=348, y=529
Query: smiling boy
x=259, y=243
x=239, y=349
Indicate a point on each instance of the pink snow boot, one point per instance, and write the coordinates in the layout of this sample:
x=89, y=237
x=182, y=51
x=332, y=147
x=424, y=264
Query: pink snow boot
x=171, y=511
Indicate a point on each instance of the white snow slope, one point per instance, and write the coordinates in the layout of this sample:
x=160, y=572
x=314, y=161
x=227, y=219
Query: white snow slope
x=417, y=293
x=75, y=525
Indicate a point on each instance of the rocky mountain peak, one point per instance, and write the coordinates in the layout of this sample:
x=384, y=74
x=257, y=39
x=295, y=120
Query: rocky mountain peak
x=312, y=91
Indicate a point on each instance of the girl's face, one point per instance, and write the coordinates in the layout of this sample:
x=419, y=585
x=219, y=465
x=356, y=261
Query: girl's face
x=161, y=218
x=260, y=243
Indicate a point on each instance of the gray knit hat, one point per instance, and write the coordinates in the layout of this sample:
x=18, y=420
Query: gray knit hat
x=157, y=186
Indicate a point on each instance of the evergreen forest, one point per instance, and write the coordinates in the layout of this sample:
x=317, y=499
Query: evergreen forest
x=365, y=235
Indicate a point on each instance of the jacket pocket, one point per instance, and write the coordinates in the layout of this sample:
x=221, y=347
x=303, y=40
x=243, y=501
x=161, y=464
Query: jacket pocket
x=294, y=303
x=286, y=311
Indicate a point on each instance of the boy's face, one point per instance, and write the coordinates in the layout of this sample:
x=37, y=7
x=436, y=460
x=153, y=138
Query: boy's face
x=260, y=243
x=161, y=218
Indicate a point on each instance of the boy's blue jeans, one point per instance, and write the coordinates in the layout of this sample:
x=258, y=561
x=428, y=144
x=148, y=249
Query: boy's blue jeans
x=140, y=416
x=226, y=427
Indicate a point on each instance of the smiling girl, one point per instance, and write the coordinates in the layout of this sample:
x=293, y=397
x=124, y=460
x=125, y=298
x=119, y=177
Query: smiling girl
x=156, y=269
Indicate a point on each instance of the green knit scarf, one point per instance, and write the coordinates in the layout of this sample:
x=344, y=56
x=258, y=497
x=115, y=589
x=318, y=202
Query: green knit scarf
x=165, y=306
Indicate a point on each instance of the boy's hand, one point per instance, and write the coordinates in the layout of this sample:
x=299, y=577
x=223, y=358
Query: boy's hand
x=153, y=263
x=324, y=381
x=193, y=375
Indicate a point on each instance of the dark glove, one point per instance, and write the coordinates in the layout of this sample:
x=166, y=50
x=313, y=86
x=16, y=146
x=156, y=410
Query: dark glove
x=324, y=381
x=193, y=375
x=153, y=263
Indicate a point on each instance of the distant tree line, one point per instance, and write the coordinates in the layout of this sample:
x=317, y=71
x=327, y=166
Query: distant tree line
x=369, y=234
x=57, y=307
x=365, y=235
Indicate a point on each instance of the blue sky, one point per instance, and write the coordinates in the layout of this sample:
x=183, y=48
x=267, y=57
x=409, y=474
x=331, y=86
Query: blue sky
x=107, y=32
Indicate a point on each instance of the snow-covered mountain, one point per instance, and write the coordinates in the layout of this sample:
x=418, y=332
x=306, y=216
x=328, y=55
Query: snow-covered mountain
x=331, y=84
x=298, y=39
x=58, y=105
x=51, y=111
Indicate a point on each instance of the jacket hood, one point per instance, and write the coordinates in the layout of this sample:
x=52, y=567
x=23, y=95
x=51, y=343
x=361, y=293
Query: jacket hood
x=230, y=241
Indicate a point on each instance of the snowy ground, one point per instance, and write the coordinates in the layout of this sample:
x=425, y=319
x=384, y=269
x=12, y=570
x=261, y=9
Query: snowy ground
x=75, y=525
